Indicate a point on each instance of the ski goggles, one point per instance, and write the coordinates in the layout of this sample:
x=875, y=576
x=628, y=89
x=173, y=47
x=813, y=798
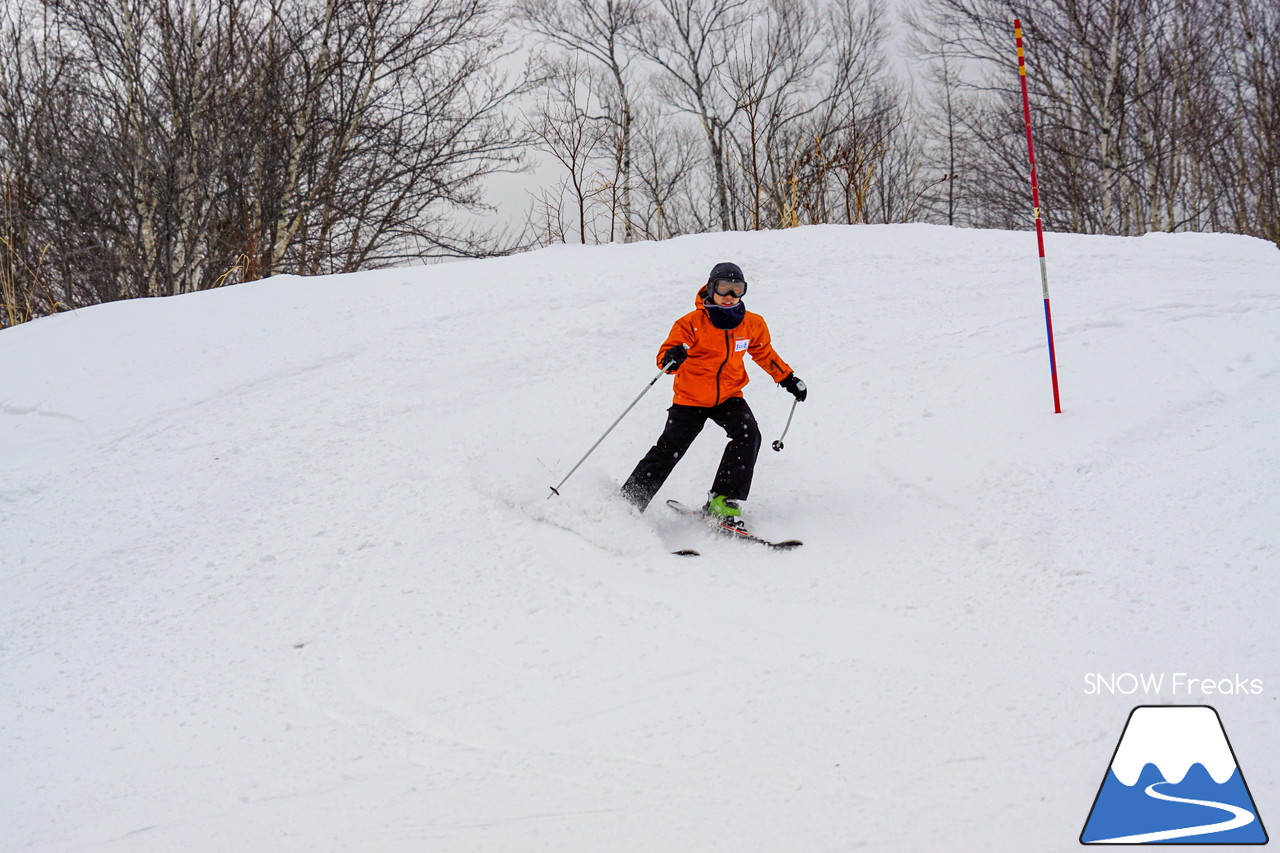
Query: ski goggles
x=724, y=287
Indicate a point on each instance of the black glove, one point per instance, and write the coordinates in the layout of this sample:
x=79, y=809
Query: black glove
x=674, y=357
x=793, y=384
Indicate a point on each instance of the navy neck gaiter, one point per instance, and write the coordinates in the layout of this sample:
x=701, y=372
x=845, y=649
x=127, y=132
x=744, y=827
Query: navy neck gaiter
x=726, y=318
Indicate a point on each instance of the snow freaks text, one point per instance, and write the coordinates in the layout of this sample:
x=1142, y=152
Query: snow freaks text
x=1170, y=684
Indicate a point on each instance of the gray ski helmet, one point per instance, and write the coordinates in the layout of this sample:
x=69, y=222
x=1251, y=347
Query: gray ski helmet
x=726, y=272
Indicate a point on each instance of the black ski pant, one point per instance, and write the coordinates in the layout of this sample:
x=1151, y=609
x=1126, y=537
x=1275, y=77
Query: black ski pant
x=733, y=477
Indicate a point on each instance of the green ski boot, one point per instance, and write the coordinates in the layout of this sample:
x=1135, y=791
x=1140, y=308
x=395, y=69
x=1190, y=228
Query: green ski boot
x=724, y=510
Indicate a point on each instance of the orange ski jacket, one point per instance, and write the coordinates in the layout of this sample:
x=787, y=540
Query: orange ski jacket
x=714, y=370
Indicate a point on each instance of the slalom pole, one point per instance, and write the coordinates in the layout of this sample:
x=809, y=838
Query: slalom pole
x=555, y=490
x=1035, y=204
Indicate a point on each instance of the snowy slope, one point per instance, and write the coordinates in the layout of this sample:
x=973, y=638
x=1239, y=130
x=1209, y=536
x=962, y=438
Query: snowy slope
x=280, y=574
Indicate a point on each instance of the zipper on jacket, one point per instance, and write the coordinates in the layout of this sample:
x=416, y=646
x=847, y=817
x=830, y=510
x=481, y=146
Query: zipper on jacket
x=728, y=352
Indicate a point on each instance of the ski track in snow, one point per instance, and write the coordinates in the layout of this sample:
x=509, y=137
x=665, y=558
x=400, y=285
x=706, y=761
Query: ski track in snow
x=281, y=573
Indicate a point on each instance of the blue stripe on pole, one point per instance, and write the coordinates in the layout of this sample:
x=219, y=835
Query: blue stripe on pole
x=1048, y=331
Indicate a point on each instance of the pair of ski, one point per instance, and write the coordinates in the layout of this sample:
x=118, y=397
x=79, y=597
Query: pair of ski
x=728, y=529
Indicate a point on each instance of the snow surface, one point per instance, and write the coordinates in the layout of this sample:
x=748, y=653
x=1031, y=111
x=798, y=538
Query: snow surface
x=280, y=572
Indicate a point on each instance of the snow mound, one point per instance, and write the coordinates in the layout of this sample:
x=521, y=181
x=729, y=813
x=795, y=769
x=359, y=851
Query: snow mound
x=280, y=570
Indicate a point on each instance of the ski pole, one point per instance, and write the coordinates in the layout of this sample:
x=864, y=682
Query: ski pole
x=555, y=490
x=777, y=445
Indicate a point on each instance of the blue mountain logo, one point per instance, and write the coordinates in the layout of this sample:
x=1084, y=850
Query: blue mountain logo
x=1173, y=779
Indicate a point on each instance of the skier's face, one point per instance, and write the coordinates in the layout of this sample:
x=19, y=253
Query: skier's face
x=726, y=293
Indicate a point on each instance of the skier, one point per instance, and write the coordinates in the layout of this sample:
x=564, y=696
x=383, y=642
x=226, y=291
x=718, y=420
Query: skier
x=705, y=352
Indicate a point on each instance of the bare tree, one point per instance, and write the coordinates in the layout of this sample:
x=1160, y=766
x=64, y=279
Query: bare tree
x=391, y=117
x=772, y=77
x=669, y=158
x=946, y=120
x=1148, y=115
x=188, y=145
x=563, y=129
x=599, y=30
x=1254, y=63
x=35, y=83
x=690, y=42
x=861, y=124
x=819, y=126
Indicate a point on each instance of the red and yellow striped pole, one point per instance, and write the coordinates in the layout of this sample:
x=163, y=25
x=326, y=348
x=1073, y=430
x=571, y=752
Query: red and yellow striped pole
x=1035, y=204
